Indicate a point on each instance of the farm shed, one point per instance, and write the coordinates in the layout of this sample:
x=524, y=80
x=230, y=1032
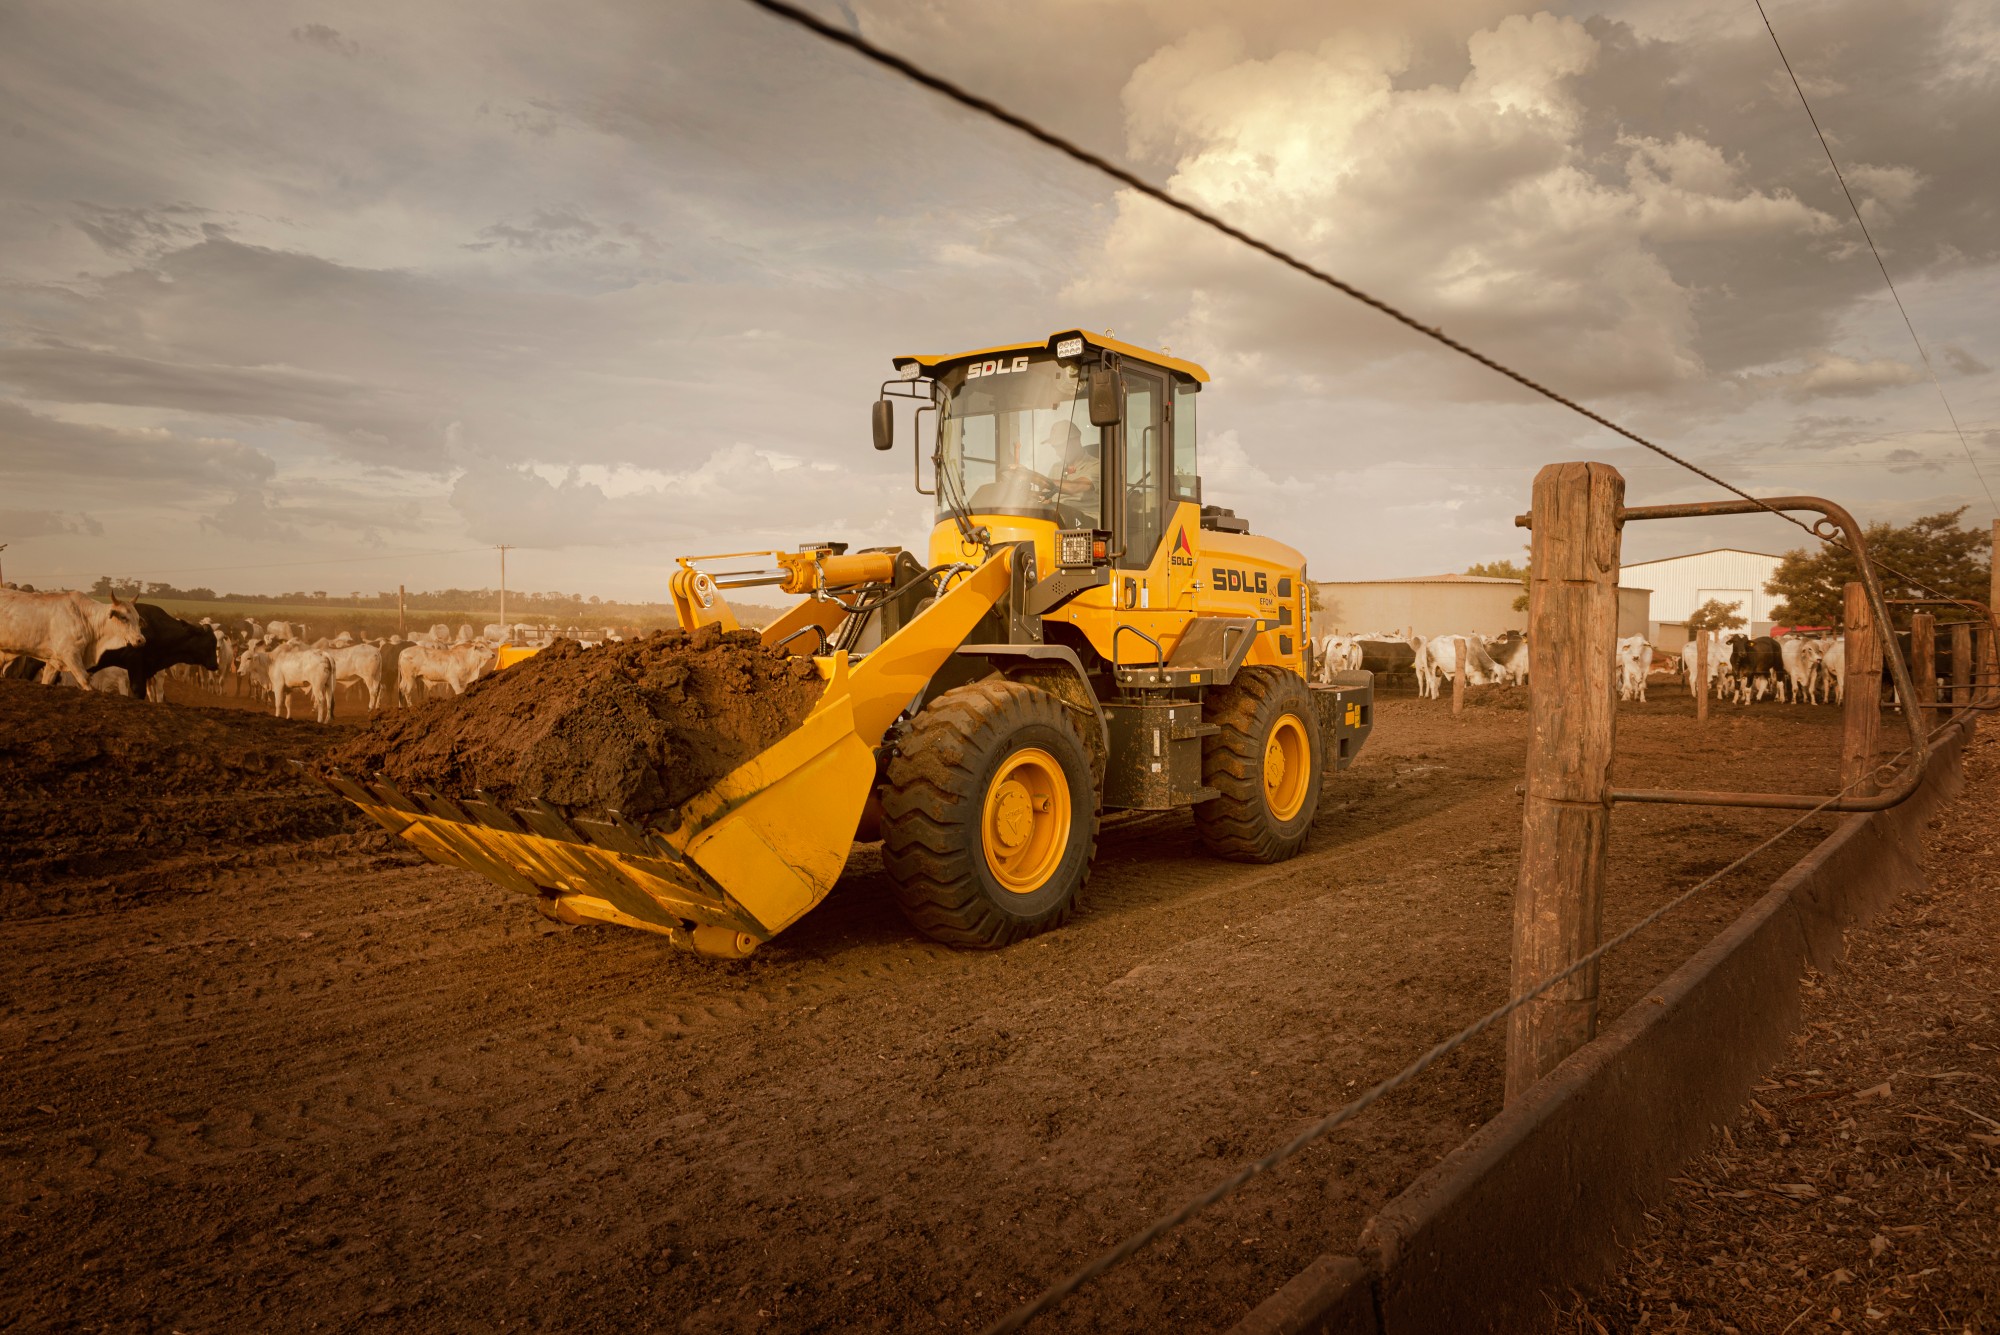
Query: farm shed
x=1444, y=605
x=1682, y=583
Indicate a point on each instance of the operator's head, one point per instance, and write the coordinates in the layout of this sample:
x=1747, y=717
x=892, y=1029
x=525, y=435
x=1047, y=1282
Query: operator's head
x=1065, y=438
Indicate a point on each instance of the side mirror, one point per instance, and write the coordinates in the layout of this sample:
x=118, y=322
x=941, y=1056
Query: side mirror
x=1105, y=397
x=883, y=419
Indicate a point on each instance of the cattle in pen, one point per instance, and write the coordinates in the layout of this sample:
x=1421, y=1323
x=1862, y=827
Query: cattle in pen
x=1635, y=660
x=1438, y=660
x=68, y=632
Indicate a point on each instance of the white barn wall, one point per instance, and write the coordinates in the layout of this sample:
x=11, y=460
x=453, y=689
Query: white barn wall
x=1682, y=583
x=1451, y=605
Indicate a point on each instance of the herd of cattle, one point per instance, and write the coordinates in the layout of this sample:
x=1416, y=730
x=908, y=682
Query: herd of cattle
x=1787, y=669
x=133, y=648
x=126, y=648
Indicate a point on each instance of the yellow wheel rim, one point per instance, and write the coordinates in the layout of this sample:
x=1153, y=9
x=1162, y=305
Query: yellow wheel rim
x=1287, y=767
x=1024, y=826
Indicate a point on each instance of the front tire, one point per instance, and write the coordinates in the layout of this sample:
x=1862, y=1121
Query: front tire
x=1264, y=761
x=989, y=815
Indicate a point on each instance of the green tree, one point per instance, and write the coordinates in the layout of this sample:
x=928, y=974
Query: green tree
x=1714, y=615
x=1936, y=549
x=1505, y=570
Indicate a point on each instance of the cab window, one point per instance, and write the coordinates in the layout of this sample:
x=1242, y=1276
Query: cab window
x=1145, y=466
x=1187, y=477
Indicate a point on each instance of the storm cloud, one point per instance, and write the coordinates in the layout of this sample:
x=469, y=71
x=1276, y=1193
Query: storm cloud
x=619, y=285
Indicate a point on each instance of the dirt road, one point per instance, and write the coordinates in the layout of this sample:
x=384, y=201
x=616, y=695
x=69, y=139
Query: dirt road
x=296, y=1079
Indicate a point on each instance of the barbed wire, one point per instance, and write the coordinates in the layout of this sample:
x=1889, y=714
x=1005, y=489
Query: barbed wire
x=812, y=23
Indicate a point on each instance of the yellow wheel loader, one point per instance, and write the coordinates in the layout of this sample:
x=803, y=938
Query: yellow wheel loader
x=1083, y=635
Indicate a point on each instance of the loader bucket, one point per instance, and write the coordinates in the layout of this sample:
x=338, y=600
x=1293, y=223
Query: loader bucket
x=751, y=853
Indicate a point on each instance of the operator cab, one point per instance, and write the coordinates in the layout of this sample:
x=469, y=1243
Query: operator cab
x=1080, y=430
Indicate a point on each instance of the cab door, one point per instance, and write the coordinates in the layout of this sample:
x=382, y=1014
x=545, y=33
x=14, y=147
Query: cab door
x=1146, y=482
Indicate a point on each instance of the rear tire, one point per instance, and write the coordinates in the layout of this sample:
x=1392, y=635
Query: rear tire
x=989, y=815
x=1264, y=762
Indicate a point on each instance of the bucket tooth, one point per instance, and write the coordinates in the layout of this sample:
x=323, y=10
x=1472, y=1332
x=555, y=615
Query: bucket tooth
x=608, y=834
x=486, y=809
x=548, y=822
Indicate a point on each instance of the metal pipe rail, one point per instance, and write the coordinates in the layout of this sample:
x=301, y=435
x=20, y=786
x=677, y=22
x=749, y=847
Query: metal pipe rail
x=1834, y=524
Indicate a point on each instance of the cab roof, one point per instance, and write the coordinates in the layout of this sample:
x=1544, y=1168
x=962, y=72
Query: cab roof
x=934, y=362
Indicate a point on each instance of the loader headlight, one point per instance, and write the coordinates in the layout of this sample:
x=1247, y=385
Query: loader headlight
x=1074, y=547
x=1070, y=347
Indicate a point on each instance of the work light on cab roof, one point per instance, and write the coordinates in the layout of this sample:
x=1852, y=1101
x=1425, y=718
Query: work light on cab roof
x=1081, y=634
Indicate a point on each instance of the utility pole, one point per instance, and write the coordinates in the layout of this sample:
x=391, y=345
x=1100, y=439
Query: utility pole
x=3, y=572
x=504, y=549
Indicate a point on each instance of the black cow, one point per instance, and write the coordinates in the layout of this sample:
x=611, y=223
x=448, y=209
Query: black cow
x=1943, y=660
x=169, y=640
x=1758, y=665
x=1386, y=658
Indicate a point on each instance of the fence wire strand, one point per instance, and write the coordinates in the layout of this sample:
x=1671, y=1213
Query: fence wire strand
x=794, y=14
x=1229, y=1186
x=1349, y=1111
x=1867, y=236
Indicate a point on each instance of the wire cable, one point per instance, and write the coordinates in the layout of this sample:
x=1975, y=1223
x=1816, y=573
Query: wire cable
x=1124, y=1250
x=792, y=13
x=1841, y=177
x=1018, y=1318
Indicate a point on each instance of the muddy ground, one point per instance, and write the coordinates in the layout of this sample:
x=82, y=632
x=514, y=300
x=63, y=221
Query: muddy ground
x=305, y=1080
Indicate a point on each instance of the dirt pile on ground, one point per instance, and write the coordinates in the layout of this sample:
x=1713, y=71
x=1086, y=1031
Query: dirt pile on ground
x=638, y=727
x=109, y=790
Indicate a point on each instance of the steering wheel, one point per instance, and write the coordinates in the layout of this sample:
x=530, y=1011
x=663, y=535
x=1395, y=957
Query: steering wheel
x=1044, y=486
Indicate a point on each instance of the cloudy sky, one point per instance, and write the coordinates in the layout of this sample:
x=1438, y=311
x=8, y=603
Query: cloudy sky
x=337, y=295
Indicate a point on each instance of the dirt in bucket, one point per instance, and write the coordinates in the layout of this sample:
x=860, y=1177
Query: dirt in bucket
x=637, y=727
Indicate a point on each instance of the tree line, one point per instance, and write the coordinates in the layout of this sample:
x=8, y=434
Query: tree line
x=527, y=603
x=1935, y=550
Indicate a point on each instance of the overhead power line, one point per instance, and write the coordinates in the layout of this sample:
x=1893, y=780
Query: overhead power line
x=1841, y=177
x=1125, y=176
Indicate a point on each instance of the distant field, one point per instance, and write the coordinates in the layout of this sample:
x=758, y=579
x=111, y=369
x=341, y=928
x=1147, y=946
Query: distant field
x=374, y=621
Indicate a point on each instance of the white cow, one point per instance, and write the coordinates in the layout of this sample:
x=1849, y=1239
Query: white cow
x=1338, y=653
x=453, y=668
x=1719, y=671
x=67, y=631
x=1437, y=662
x=225, y=661
x=253, y=672
x=1833, y=663
x=112, y=681
x=1635, y=659
x=310, y=670
x=360, y=665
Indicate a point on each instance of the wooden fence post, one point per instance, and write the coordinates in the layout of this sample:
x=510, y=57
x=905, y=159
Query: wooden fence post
x=1991, y=661
x=1923, y=663
x=1961, y=662
x=1701, y=647
x=1566, y=819
x=1463, y=650
x=1862, y=709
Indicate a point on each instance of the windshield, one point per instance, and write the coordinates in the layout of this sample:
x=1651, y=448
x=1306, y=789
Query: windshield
x=1016, y=438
